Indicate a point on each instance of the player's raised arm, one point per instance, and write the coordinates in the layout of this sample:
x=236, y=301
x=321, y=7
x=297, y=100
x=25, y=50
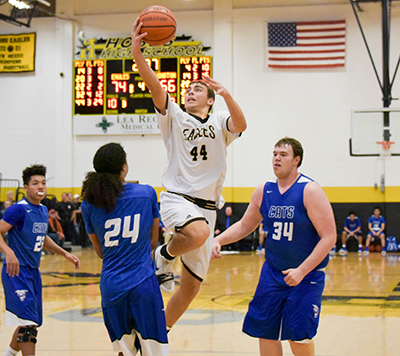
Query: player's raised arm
x=237, y=122
x=159, y=95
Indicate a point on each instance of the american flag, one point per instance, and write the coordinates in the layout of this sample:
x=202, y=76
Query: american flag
x=319, y=44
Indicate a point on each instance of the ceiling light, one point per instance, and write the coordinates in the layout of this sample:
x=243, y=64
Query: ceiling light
x=19, y=4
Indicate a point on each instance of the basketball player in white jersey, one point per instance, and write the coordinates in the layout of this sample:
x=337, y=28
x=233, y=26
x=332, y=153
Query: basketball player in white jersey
x=196, y=143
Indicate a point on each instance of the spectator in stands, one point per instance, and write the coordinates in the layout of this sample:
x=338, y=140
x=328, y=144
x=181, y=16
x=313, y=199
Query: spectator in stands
x=223, y=223
x=50, y=201
x=79, y=225
x=6, y=205
x=77, y=200
x=55, y=230
x=376, y=227
x=10, y=199
x=76, y=213
x=352, y=227
x=65, y=208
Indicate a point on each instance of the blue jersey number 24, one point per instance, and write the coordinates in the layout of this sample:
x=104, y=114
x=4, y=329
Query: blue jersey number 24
x=115, y=224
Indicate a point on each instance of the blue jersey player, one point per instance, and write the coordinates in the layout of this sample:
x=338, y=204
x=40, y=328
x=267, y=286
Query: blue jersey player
x=122, y=220
x=301, y=232
x=352, y=227
x=376, y=227
x=26, y=225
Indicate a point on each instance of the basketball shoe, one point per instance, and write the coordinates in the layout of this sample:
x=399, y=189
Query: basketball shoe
x=164, y=271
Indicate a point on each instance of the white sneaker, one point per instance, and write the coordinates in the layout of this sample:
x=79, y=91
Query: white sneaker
x=164, y=271
x=343, y=251
x=383, y=253
x=366, y=253
x=332, y=252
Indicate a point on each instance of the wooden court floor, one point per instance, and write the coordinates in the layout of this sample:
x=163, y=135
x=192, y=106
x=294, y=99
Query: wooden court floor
x=360, y=312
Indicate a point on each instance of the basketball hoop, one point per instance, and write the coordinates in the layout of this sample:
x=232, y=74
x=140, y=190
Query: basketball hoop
x=385, y=147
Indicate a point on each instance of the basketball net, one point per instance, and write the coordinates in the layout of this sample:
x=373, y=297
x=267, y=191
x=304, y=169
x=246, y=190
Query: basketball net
x=385, y=152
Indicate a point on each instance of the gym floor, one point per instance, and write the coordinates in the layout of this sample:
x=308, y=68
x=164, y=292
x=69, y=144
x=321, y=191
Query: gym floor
x=360, y=311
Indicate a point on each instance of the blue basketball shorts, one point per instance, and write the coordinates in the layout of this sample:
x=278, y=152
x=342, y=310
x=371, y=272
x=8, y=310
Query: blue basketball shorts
x=136, y=321
x=23, y=296
x=281, y=312
x=358, y=233
x=370, y=233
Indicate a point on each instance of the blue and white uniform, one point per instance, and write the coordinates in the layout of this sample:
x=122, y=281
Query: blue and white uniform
x=196, y=167
x=132, y=304
x=23, y=293
x=278, y=311
x=376, y=223
x=353, y=225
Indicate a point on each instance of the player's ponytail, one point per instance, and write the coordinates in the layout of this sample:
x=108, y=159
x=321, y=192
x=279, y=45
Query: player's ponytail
x=102, y=187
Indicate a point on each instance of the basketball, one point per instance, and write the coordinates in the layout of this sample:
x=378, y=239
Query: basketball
x=159, y=23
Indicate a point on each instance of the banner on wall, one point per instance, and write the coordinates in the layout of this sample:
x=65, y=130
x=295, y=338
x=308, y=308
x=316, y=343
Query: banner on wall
x=109, y=95
x=116, y=125
x=17, y=53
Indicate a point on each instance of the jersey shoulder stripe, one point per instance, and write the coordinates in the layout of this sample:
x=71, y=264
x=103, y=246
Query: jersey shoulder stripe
x=304, y=179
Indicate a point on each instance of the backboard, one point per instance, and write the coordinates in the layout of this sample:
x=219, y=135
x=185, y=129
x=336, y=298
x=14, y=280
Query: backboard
x=368, y=128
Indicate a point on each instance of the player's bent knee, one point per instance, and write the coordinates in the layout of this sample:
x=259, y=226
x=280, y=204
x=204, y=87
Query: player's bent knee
x=198, y=231
x=27, y=334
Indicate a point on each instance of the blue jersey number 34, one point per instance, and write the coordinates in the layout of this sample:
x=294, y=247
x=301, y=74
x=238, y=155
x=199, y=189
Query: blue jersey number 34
x=283, y=229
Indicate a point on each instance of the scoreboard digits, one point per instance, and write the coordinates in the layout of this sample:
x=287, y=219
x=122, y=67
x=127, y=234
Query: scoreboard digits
x=89, y=87
x=192, y=68
x=110, y=87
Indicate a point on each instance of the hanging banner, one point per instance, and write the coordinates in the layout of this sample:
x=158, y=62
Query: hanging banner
x=17, y=53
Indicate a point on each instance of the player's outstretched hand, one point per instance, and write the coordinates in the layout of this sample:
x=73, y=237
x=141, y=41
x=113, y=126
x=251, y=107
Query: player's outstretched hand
x=136, y=36
x=12, y=264
x=73, y=259
x=216, y=86
x=216, y=251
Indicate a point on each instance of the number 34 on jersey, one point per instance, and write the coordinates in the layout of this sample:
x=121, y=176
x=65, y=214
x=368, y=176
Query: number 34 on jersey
x=282, y=229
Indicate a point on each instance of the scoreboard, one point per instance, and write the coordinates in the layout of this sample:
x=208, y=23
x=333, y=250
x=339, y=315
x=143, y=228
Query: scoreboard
x=114, y=86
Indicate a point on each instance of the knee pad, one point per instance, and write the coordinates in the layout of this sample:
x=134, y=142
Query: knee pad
x=27, y=334
x=304, y=341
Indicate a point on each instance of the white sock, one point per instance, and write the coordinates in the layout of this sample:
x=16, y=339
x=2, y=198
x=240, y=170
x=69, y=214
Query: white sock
x=10, y=352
